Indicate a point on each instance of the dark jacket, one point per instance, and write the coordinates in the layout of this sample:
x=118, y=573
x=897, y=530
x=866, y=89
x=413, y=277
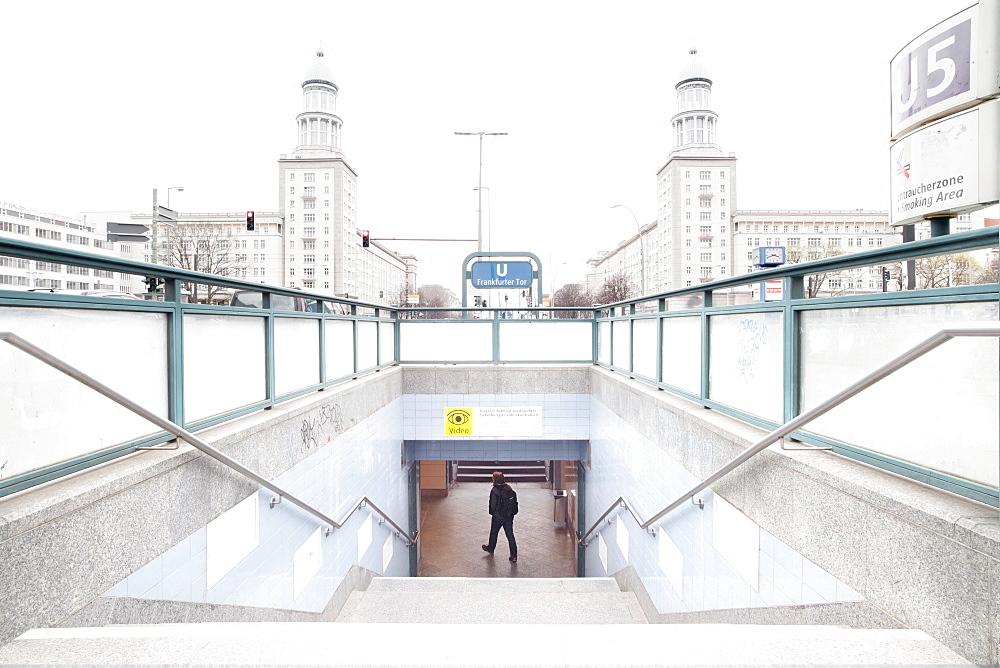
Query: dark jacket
x=495, y=501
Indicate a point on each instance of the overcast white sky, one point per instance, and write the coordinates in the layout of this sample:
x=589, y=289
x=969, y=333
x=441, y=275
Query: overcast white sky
x=103, y=101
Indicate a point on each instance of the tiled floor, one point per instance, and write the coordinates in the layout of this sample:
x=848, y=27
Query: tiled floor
x=453, y=528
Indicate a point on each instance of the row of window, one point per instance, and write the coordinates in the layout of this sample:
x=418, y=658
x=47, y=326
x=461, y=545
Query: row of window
x=756, y=227
x=814, y=241
x=309, y=177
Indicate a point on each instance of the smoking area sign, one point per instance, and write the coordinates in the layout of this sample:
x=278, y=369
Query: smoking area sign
x=487, y=275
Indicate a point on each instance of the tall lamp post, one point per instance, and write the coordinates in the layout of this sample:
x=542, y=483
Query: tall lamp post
x=642, y=246
x=489, y=222
x=481, y=134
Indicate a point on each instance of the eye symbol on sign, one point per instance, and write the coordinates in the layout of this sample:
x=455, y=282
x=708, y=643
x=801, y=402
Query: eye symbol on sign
x=458, y=418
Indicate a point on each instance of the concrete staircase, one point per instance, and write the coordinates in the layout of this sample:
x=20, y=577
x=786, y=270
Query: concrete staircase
x=492, y=601
x=473, y=621
x=513, y=471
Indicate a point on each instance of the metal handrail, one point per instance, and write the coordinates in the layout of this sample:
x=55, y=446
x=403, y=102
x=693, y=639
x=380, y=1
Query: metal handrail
x=972, y=329
x=187, y=436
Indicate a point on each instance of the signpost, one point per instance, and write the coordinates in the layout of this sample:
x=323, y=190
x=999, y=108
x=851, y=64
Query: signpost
x=491, y=270
x=128, y=233
x=945, y=121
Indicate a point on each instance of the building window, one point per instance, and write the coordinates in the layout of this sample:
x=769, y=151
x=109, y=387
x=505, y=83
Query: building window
x=815, y=241
x=705, y=176
x=722, y=188
x=835, y=242
x=706, y=272
x=326, y=176
x=722, y=215
x=705, y=204
x=687, y=175
x=687, y=243
x=308, y=231
x=794, y=241
x=309, y=204
x=705, y=230
x=687, y=229
x=705, y=215
x=706, y=257
x=687, y=257
x=687, y=215
x=309, y=259
x=722, y=173
x=291, y=204
x=309, y=177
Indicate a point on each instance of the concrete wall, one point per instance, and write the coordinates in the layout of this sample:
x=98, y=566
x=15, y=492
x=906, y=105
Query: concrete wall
x=65, y=544
x=928, y=559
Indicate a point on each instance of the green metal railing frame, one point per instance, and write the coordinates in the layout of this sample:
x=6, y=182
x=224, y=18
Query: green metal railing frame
x=175, y=310
x=791, y=308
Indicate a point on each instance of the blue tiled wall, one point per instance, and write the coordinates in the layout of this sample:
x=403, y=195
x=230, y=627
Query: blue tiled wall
x=624, y=463
x=363, y=461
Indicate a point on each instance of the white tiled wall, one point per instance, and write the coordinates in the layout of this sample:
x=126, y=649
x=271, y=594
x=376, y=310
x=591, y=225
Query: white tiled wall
x=692, y=549
x=291, y=567
x=564, y=416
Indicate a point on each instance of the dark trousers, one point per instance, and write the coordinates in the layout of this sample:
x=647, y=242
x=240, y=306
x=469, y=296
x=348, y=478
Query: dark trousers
x=508, y=529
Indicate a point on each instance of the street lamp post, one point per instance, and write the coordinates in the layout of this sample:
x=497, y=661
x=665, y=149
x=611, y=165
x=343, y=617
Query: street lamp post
x=492, y=134
x=489, y=221
x=642, y=246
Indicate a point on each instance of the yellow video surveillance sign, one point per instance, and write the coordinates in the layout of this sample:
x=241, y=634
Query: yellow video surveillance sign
x=494, y=421
x=458, y=422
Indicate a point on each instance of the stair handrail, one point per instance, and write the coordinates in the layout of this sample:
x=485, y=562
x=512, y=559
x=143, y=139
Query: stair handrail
x=925, y=346
x=188, y=437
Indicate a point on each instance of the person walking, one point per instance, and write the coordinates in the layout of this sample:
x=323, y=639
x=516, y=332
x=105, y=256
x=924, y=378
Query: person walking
x=503, y=507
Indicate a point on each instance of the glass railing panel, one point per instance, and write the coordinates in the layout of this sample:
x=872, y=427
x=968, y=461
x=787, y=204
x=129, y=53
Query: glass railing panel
x=546, y=340
x=644, y=347
x=46, y=416
x=947, y=399
x=437, y=341
x=604, y=342
x=296, y=354
x=339, y=348
x=682, y=353
x=223, y=364
x=386, y=344
x=367, y=344
x=745, y=365
x=621, y=343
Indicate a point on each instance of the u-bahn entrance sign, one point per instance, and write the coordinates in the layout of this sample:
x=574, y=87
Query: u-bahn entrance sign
x=945, y=118
x=518, y=271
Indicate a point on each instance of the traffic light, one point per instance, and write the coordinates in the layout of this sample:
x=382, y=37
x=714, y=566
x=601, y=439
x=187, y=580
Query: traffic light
x=885, y=274
x=249, y=221
x=152, y=283
x=365, y=240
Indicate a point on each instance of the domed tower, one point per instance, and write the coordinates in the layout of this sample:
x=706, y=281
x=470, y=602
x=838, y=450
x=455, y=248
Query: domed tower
x=694, y=122
x=318, y=194
x=318, y=124
x=695, y=191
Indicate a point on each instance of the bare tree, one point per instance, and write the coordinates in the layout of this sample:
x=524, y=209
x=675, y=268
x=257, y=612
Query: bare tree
x=205, y=248
x=571, y=294
x=615, y=289
x=942, y=271
x=816, y=282
x=437, y=296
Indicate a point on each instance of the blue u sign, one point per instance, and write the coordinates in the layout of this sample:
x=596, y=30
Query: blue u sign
x=501, y=274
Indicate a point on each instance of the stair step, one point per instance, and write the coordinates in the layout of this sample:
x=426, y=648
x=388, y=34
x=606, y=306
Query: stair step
x=495, y=601
x=301, y=643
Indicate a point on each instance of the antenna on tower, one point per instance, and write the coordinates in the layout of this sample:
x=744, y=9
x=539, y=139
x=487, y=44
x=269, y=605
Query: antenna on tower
x=319, y=51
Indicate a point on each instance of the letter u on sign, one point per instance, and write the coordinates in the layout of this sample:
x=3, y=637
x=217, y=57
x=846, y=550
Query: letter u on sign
x=501, y=269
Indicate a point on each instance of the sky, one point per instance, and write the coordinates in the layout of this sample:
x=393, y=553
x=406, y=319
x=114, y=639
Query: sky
x=104, y=101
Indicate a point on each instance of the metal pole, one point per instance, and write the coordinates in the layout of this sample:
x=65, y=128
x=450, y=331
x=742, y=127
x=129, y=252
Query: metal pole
x=479, y=236
x=642, y=246
x=152, y=227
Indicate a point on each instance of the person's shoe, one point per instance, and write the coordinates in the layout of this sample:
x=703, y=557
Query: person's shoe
x=514, y=559
x=487, y=549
